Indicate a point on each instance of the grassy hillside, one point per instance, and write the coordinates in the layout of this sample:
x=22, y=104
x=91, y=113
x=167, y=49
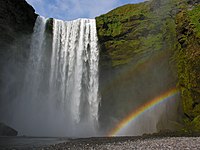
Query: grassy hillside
x=133, y=33
x=136, y=28
x=188, y=63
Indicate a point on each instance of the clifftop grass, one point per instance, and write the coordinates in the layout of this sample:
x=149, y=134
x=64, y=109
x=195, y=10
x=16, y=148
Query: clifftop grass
x=135, y=29
x=119, y=21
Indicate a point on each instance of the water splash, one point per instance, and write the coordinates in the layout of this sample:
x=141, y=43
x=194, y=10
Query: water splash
x=74, y=69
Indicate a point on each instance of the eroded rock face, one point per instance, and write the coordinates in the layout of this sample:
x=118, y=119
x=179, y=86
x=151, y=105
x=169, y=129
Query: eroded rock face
x=137, y=43
x=193, y=2
x=188, y=62
x=7, y=131
x=130, y=36
x=17, y=19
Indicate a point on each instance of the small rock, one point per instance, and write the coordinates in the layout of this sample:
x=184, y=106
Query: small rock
x=7, y=131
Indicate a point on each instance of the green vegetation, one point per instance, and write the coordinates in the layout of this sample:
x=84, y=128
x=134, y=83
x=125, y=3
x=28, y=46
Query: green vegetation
x=188, y=61
x=119, y=21
x=136, y=29
x=170, y=26
x=49, y=25
x=194, y=16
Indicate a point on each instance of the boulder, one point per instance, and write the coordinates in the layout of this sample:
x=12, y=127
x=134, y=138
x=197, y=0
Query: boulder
x=7, y=131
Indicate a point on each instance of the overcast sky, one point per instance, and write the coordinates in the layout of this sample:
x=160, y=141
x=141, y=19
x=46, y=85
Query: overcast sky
x=73, y=9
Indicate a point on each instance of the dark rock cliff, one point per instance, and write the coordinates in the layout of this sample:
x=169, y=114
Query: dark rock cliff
x=7, y=131
x=17, y=19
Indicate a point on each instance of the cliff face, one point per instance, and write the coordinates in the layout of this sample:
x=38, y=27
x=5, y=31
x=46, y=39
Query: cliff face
x=146, y=49
x=17, y=19
x=188, y=62
x=134, y=29
x=137, y=44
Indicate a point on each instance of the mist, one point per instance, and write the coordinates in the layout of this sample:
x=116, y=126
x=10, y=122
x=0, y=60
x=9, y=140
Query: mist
x=56, y=91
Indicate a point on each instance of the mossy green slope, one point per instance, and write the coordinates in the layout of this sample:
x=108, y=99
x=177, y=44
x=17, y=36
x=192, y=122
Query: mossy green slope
x=188, y=63
x=156, y=26
x=131, y=37
x=134, y=29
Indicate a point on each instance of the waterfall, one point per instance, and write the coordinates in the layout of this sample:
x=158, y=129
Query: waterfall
x=74, y=67
x=60, y=95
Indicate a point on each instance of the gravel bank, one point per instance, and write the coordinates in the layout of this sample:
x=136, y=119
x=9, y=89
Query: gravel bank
x=164, y=143
x=116, y=143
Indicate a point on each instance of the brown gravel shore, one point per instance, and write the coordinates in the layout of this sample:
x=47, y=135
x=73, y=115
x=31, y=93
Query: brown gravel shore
x=115, y=143
x=164, y=143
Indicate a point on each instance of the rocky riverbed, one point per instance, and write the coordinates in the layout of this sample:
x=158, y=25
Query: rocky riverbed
x=118, y=143
x=166, y=143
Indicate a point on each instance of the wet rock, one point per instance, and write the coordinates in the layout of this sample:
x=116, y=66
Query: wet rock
x=7, y=131
x=16, y=18
x=193, y=2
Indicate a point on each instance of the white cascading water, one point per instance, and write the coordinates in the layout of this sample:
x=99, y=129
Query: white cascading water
x=60, y=96
x=74, y=63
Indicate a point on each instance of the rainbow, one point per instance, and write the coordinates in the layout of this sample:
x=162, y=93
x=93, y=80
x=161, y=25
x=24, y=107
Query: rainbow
x=136, y=113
